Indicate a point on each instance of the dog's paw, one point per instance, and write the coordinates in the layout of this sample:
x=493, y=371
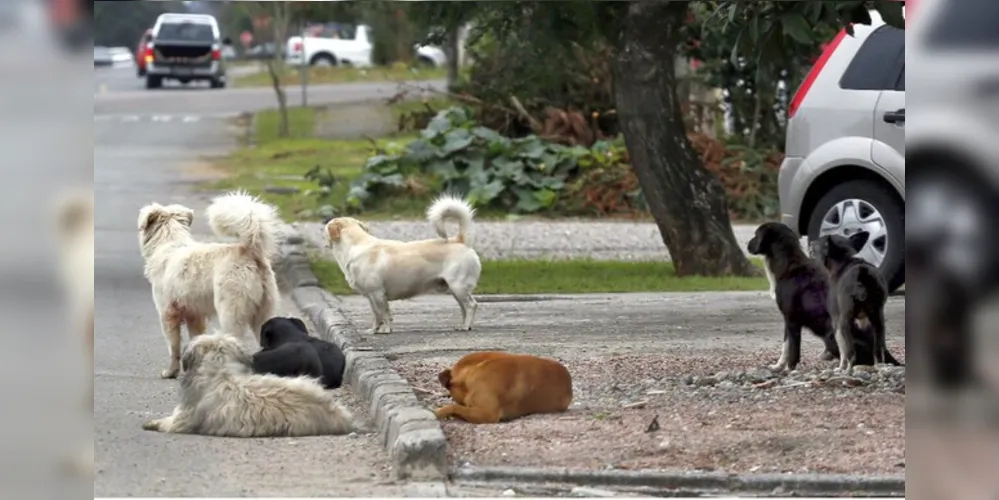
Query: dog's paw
x=442, y=413
x=778, y=367
x=169, y=373
x=462, y=328
x=152, y=425
x=827, y=356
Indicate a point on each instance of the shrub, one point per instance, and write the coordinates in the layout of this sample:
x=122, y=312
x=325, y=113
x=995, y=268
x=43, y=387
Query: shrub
x=532, y=175
x=522, y=175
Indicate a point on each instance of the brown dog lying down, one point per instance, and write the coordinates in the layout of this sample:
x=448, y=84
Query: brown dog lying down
x=491, y=387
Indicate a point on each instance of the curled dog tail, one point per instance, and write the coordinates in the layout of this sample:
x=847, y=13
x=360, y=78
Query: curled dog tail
x=240, y=215
x=449, y=207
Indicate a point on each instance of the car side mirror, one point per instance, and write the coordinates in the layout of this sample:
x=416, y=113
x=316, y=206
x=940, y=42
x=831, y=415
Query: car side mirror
x=227, y=41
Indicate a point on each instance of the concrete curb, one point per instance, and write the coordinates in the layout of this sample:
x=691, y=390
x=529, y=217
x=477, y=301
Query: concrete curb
x=408, y=430
x=695, y=482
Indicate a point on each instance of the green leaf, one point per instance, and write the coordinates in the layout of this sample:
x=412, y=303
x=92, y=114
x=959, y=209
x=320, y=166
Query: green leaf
x=487, y=134
x=421, y=151
x=526, y=200
x=456, y=140
x=445, y=169
x=814, y=12
x=482, y=195
x=546, y=197
x=891, y=12
x=795, y=26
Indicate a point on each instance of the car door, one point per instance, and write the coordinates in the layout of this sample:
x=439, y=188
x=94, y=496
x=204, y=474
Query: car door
x=889, y=123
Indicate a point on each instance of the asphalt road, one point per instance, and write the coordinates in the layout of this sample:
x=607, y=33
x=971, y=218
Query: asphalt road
x=117, y=91
x=136, y=162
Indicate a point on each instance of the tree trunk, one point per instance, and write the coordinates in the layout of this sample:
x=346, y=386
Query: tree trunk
x=687, y=201
x=452, y=52
x=280, y=22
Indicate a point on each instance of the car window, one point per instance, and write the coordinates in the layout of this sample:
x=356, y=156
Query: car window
x=874, y=66
x=966, y=24
x=187, y=32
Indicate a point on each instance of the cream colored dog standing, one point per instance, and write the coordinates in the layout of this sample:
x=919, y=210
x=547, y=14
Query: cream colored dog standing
x=386, y=270
x=193, y=281
x=221, y=396
x=75, y=226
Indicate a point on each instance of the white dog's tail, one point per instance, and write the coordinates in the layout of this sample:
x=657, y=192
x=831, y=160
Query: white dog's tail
x=449, y=207
x=240, y=215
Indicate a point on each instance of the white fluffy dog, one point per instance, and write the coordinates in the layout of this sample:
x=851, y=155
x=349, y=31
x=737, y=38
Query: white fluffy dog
x=221, y=396
x=75, y=231
x=385, y=270
x=193, y=281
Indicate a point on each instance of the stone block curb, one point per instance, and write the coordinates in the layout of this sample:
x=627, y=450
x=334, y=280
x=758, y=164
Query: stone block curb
x=695, y=482
x=408, y=430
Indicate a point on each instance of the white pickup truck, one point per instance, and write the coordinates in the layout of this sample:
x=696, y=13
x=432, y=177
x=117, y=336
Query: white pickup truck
x=336, y=44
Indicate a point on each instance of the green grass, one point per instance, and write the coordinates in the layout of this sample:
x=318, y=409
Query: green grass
x=291, y=75
x=300, y=125
x=569, y=276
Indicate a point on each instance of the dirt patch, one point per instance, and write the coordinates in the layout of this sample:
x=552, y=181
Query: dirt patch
x=719, y=411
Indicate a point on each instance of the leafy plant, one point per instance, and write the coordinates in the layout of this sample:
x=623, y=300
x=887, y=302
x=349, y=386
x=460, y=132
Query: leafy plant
x=523, y=175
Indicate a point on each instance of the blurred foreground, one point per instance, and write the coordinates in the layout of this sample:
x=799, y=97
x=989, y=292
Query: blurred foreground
x=47, y=145
x=951, y=249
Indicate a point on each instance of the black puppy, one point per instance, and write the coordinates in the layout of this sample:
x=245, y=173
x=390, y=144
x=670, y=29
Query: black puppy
x=289, y=360
x=279, y=333
x=856, y=302
x=800, y=286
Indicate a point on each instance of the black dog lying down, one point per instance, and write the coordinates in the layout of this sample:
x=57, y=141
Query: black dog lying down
x=288, y=350
x=802, y=288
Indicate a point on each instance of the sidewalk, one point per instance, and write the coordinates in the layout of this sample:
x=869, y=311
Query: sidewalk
x=630, y=241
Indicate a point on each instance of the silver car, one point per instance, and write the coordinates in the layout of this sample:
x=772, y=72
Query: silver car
x=844, y=170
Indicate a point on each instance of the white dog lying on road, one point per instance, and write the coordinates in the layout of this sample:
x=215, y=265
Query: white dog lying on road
x=221, y=396
x=193, y=281
x=385, y=270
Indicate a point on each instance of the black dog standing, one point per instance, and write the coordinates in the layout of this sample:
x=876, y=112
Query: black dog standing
x=287, y=349
x=856, y=302
x=801, y=287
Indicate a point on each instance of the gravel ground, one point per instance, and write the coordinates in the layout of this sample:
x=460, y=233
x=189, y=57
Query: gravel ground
x=691, y=410
x=541, y=239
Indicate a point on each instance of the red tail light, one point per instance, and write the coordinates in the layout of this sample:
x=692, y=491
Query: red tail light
x=216, y=54
x=813, y=73
x=149, y=54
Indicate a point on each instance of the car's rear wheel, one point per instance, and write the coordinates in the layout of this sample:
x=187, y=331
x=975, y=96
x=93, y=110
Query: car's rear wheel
x=218, y=83
x=140, y=72
x=153, y=82
x=866, y=207
x=323, y=61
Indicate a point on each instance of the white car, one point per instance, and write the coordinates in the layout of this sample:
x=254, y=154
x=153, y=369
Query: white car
x=341, y=44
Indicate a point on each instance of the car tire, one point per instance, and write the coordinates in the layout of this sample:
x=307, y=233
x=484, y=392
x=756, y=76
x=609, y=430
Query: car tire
x=425, y=62
x=218, y=83
x=140, y=72
x=323, y=60
x=154, y=82
x=892, y=214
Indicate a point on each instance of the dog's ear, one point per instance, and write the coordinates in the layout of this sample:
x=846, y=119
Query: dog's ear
x=857, y=241
x=191, y=358
x=445, y=378
x=333, y=229
x=150, y=216
x=266, y=338
x=181, y=214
